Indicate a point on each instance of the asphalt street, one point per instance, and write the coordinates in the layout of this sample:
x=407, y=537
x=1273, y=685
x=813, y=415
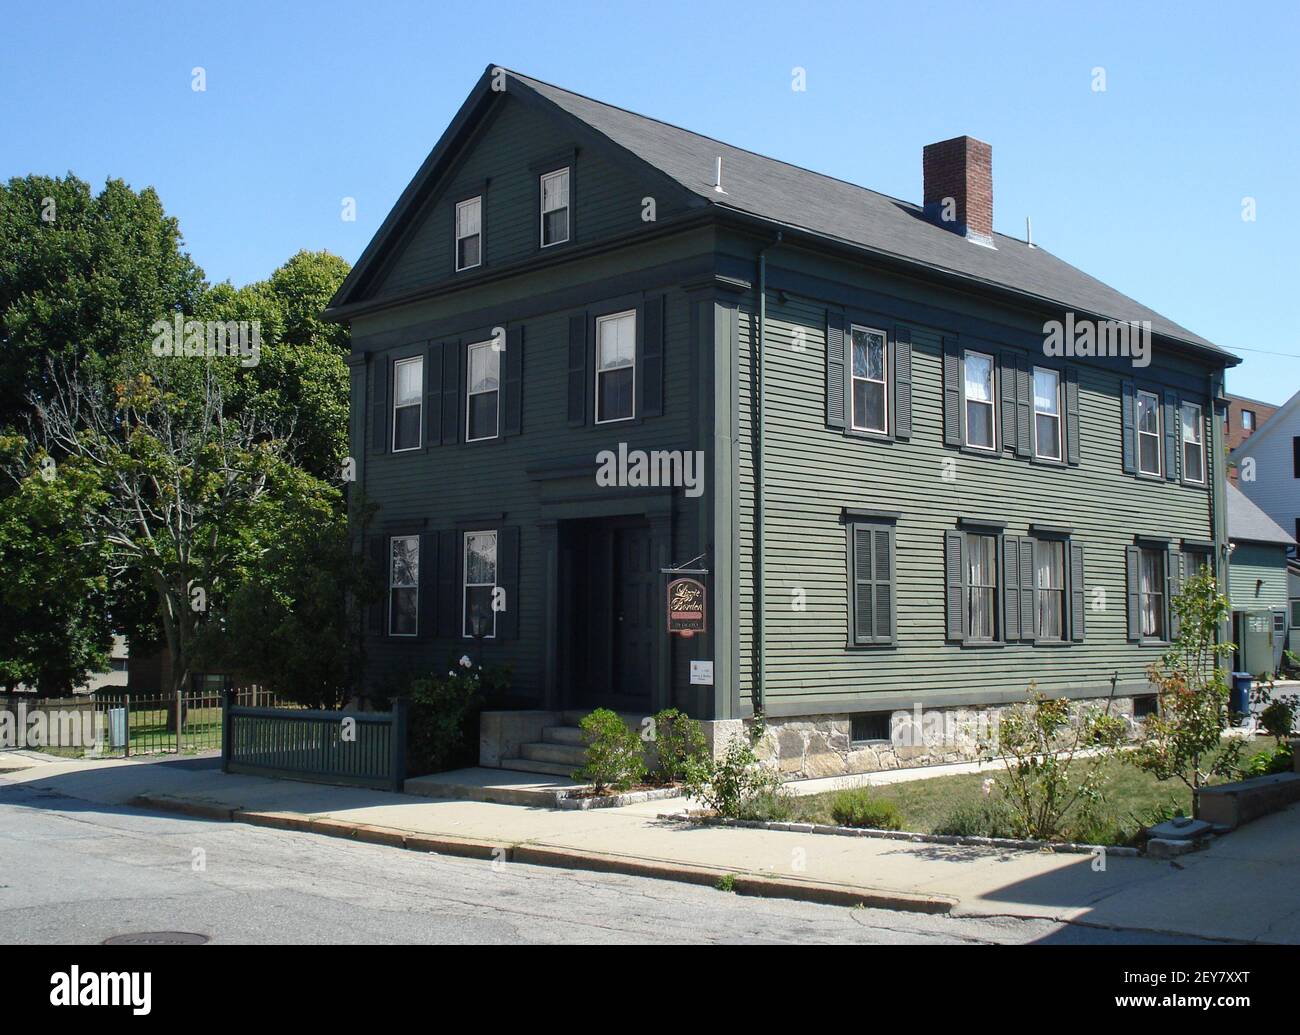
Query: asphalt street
x=76, y=872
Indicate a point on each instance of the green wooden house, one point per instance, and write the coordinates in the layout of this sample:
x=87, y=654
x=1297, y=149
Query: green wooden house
x=595, y=354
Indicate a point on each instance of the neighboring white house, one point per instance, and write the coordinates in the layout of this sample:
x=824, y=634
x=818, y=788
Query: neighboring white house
x=1268, y=466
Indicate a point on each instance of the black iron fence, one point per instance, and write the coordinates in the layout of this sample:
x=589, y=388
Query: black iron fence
x=119, y=724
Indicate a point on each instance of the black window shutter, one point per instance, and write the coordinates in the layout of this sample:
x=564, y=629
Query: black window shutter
x=902, y=382
x=508, y=580
x=449, y=603
x=883, y=563
x=433, y=396
x=380, y=372
x=513, y=395
x=1028, y=612
x=379, y=571
x=578, y=368
x=1174, y=584
x=1132, y=564
x=1024, y=407
x=1173, y=454
x=452, y=391
x=1072, y=417
x=1011, y=588
x=1078, y=601
x=836, y=391
x=862, y=606
x=428, y=586
x=1007, y=380
x=951, y=393
x=1295, y=455
x=650, y=358
x=1128, y=422
x=955, y=585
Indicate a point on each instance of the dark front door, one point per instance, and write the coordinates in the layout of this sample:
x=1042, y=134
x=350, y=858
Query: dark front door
x=635, y=626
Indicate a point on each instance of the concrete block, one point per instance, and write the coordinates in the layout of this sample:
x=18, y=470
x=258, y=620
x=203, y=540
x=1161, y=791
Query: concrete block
x=502, y=734
x=1166, y=848
x=1181, y=829
x=1232, y=804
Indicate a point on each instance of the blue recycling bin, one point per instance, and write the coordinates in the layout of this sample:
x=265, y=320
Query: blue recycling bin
x=1240, y=701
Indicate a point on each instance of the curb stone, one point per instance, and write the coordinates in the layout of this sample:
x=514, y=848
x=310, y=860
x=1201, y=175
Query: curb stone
x=569, y=858
x=1066, y=847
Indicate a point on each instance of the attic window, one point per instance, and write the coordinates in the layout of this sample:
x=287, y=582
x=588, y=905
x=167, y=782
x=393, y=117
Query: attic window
x=469, y=233
x=555, y=207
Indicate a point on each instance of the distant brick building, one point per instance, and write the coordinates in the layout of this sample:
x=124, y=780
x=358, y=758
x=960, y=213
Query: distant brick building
x=1243, y=417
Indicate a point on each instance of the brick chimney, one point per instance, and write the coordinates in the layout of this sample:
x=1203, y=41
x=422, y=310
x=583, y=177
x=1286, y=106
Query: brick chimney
x=960, y=169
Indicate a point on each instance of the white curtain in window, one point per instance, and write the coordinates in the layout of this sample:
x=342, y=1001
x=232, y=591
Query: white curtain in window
x=982, y=559
x=1149, y=579
x=555, y=192
x=979, y=378
x=1048, y=564
x=409, y=382
x=467, y=219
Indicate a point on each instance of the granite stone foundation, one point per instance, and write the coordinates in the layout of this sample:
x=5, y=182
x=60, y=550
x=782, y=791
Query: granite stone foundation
x=806, y=748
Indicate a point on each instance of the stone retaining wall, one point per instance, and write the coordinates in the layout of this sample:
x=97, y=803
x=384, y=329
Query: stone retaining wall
x=804, y=748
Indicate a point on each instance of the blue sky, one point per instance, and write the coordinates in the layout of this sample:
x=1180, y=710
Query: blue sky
x=1141, y=185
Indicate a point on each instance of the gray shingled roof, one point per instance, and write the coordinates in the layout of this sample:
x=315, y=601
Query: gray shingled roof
x=1247, y=523
x=789, y=195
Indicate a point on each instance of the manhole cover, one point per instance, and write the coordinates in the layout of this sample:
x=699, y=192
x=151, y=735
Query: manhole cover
x=158, y=938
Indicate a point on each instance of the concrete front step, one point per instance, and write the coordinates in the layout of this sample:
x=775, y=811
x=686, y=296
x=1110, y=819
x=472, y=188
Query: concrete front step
x=528, y=765
x=563, y=735
x=496, y=785
x=573, y=718
x=560, y=754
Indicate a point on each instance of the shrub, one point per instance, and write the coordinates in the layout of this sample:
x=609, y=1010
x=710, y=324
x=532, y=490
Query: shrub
x=985, y=818
x=614, y=759
x=444, y=715
x=729, y=784
x=1270, y=761
x=774, y=806
x=859, y=808
x=1278, y=717
x=1183, y=740
x=678, y=738
x=1042, y=780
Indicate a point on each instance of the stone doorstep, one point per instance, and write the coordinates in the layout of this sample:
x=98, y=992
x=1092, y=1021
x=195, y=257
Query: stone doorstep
x=507, y=787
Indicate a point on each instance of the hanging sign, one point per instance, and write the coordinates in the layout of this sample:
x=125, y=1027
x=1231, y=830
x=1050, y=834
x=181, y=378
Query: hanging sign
x=686, y=607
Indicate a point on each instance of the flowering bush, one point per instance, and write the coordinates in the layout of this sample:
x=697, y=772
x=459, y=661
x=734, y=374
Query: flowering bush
x=444, y=714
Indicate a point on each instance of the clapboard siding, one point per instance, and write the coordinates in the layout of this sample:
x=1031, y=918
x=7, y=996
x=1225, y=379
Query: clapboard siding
x=812, y=472
x=437, y=488
x=606, y=200
x=1262, y=564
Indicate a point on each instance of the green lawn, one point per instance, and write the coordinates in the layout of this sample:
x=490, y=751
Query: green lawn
x=926, y=806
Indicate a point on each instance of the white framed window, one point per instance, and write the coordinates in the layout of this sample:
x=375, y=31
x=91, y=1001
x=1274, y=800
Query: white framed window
x=1049, y=589
x=469, y=233
x=1151, y=593
x=981, y=588
x=978, y=377
x=480, y=568
x=482, y=391
x=1192, y=435
x=1047, y=414
x=408, y=403
x=616, y=367
x=1247, y=420
x=1148, y=433
x=555, y=207
x=869, y=392
x=404, y=585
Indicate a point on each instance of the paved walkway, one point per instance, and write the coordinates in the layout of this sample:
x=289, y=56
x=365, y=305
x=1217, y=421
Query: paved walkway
x=1244, y=886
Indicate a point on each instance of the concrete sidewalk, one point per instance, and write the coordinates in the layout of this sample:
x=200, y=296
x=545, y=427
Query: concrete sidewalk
x=1242, y=887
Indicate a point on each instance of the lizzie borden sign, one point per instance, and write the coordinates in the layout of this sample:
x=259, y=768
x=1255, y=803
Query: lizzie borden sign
x=686, y=607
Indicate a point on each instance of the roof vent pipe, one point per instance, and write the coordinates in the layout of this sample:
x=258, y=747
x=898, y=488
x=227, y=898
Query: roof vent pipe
x=717, y=175
x=1029, y=231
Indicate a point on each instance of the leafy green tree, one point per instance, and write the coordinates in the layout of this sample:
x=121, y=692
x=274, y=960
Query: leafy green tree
x=301, y=377
x=82, y=278
x=54, y=617
x=1184, y=740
